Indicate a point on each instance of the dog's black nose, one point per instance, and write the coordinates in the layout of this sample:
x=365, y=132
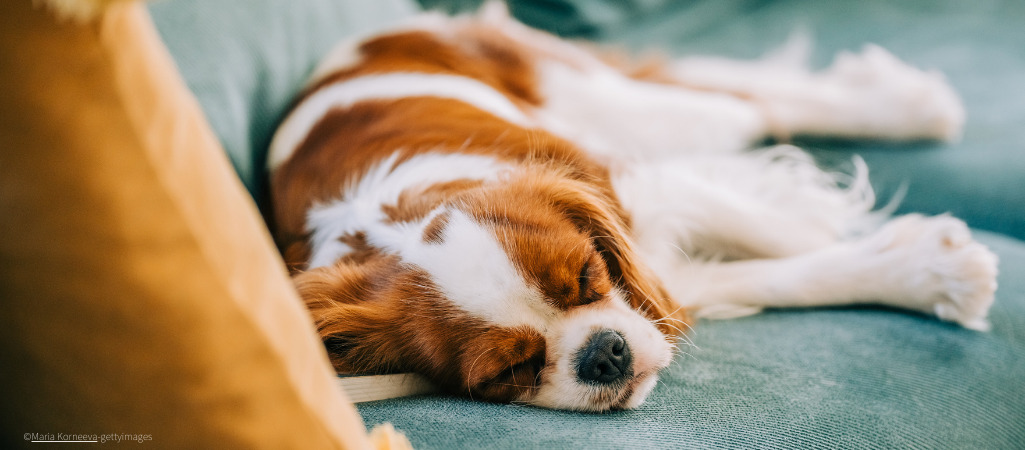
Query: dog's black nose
x=604, y=359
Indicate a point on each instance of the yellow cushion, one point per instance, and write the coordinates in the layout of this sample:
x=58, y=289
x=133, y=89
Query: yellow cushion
x=141, y=292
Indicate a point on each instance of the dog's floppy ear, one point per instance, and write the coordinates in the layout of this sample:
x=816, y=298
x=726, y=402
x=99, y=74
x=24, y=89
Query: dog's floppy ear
x=354, y=316
x=600, y=215
x=377, y=315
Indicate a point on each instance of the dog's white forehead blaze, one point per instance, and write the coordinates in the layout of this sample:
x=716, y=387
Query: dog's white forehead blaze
x=473, y=270
x=389, y=86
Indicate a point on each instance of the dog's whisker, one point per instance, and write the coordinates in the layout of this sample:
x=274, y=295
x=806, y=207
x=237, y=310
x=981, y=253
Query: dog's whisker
x=683, y=322
x=673, y=327
x=537, y=378
x=682, y=252
x=469, y=373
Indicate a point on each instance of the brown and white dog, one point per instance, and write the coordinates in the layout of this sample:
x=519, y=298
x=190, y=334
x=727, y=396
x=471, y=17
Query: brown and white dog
x=518, y=220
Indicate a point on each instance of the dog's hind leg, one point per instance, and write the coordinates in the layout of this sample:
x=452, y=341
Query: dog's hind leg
x=925, y=264
x=871, y=94
x=613, y=116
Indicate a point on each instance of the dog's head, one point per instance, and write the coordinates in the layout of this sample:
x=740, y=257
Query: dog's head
x=525, y=290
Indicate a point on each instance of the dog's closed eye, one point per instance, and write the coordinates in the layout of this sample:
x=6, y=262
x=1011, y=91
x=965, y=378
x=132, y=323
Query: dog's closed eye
x=587, y=282
x=592, y=282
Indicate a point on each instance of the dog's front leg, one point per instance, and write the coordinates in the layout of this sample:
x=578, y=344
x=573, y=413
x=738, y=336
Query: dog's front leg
x=612, y=115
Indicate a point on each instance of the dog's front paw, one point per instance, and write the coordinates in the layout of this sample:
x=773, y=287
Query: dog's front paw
x=942, y=270
x=917, y=104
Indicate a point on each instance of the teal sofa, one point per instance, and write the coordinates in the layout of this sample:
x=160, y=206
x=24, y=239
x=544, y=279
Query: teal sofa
x=858, y=377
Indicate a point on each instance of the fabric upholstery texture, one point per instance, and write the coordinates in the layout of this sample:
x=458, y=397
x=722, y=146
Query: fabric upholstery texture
x=819, y=378
x=141, y=292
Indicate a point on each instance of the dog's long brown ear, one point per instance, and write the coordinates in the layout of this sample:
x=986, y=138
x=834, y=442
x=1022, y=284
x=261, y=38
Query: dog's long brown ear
x=353, y=313
x=601, y=216
x=377, y=315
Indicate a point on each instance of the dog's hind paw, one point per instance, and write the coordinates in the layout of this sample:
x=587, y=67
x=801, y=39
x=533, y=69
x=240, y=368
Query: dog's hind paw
x=914, y=103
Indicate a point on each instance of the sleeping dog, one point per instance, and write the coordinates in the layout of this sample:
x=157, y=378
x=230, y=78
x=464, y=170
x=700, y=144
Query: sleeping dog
x=519, y=219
